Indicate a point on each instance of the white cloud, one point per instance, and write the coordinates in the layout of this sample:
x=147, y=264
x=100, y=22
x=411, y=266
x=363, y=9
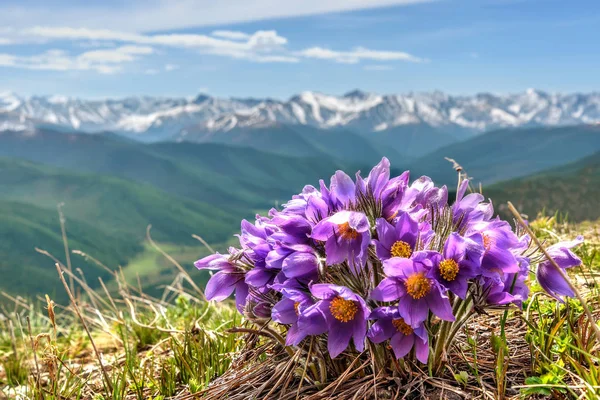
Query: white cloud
x=5, y=41
x=356, y=55
x=151, y=71
x=231, y=35
x=171, y=67
x=256, y=47
x=378, y=68
x=102, y=61
x=276, y=59
x=118, y=55
x=262, y=46
x=162, y=15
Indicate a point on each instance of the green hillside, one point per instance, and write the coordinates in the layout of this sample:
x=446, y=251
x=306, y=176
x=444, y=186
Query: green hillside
x=112, y=189
x=27, y=273
x=573, y=189
x=115, y=205
x=232, y=177
x=511, y=153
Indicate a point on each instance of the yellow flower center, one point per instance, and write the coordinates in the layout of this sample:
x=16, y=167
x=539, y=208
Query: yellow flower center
x=449, y=269
x=346, y=232
x=487, y=241
x=417, y=285
x=401, y=249
x=296, y=305
x=402, y=326
x=343, y=310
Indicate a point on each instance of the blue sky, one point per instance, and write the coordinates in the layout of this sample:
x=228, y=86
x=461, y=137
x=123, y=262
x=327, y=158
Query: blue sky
x=276, y=48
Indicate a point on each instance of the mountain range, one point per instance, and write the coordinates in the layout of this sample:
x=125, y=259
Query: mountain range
x=204, y=117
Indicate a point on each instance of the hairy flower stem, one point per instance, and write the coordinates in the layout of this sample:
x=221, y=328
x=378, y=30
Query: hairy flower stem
x=448, y=331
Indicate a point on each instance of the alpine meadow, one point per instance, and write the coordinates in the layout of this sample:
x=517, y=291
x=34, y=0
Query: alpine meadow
x=387, y=199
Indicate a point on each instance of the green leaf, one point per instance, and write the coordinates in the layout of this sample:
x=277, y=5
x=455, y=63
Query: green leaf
x=462, y=378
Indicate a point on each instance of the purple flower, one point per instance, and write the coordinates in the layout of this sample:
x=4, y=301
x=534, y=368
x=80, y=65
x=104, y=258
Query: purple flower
x=345, y=314
x=316, y=209
x=468, y=209
x=549, y=278
x=390, y=325
x=291, y=309
x=346, y=236
x=511, y=288
x=399, y=240
x=423, y=194
x=460, y=261
x=295, y=261
x=498, y=240
x=253, y=239
x=292, y=229
x=376, y=181
x=222, y=284
x=342, y=191
x=392, y=198
x=297, y=205
x=413, y=283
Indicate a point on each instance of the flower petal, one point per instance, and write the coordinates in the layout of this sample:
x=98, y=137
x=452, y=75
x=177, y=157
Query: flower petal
x=414, y=312
x=440, y=305
x=221, y=285
x=300, y=264
x=402, y=344
x=553, y=282
x=389, y=289
x=381, y=330
x=241, y=294
x=294, y=336
x=284, y=312
x=339, y=339
x=421, y=349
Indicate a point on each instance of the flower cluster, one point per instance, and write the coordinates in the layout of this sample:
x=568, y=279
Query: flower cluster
x=379, y=259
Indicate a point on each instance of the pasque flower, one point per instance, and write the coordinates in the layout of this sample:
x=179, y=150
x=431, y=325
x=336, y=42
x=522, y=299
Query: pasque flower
x=317, y=265
x=291, y=309
x=552, y=280
x=459, y=262
x=221, y=285
x=345, y=314
x=412, y=282
x=346, y=235
x=399, y=240
x=403, y=338
x=498, y=240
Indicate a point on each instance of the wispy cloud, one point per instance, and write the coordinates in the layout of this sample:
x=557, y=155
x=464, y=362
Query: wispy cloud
x=357, y=54
x=255, y=47
x=102, y=61
x=162, y=15
x=232, y=35
x=262, y=46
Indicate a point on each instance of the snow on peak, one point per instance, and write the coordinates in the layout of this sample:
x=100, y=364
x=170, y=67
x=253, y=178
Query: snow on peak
x=362, y=111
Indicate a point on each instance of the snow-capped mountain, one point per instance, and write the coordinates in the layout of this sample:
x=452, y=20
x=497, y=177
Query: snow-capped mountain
x=153, y=118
